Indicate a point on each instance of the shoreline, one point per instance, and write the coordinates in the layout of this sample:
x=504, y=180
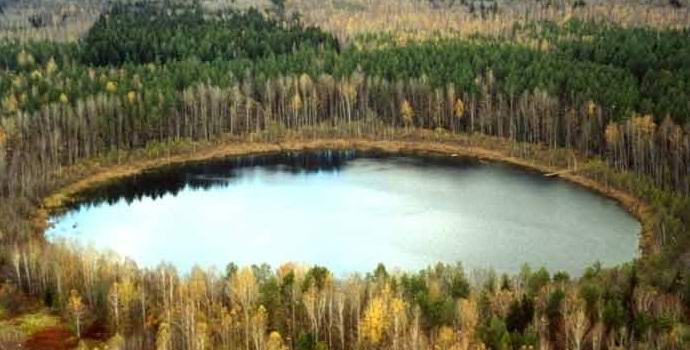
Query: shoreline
x=59, y=198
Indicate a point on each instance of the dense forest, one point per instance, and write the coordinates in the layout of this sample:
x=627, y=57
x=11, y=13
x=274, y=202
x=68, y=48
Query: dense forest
x=157, y=76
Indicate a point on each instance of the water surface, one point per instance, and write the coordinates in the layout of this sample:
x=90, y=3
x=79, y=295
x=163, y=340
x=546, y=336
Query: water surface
x=350, y=211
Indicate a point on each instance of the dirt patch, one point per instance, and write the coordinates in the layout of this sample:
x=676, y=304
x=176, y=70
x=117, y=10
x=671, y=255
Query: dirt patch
x=96, y=331
x=55, y=338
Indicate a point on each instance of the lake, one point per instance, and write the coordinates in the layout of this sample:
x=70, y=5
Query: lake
x=349, y=211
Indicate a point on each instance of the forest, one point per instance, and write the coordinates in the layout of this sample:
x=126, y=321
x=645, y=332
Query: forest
x=603, y=97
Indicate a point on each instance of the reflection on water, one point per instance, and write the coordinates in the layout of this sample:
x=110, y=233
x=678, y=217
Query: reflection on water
x=350, y=211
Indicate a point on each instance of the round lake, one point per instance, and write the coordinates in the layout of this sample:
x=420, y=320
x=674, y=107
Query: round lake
x=349, y=211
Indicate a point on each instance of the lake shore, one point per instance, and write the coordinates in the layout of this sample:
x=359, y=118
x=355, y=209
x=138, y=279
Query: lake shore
x=451, y=147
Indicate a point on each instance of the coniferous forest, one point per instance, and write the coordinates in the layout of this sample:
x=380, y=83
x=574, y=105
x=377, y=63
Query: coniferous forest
x=601, y=90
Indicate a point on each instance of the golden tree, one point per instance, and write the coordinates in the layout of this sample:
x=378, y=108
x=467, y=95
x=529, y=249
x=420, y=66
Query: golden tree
x=258, y=321
x=64, y=99
x=459, y=108
x=76, y=309
x=612, y=134
x=25, y=59
x=446, y=338
x=296, y=103
x=275, y=342
x=121, y=296
x=19, y=83
x=132, y=97
x=310, y=298
x=399, y=318
x=385, y=317
x=116, y=342
x=10, y=104
x=305, y=87
x=407, y=113
x=227, y=324
x=36, y=75
x=111, y=87
x=163, y=337
x=576, y=323
x=201, y=341
x=467, y=310
x=244, y=292
x=373, y=325
x=592, y=109
x=51, y=66
x=644, y=124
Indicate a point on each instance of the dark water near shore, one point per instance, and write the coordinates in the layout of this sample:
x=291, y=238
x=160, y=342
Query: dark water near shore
x=349, y=211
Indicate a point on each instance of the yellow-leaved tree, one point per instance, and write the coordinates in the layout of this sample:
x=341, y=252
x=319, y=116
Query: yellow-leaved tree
x=373, y=324
x=407, y=113
x=385, y=317
x=296, y=103
x=76, y=309
x=25, y=59
x=132, y=97
x=612, y=135
x=111, y=87
x=258, y=322
x=592, y=109
x=19, y=83
x=244, y=291
x=117, y=342
x=120, y=297
x=399, y=319
x=202, y=340
x=163, y=337
x=10, y=104
x=458, y=113
x=51, y=66
x=36, y=75
x=445, y=339
x=467, y=312
x=64, y=99
x=275, y=342
x=459, y=109
x=576, y=321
